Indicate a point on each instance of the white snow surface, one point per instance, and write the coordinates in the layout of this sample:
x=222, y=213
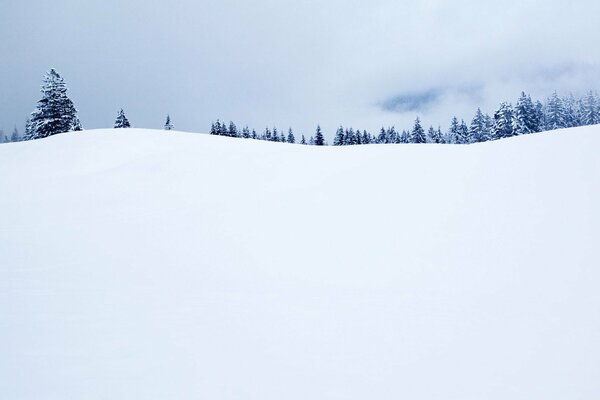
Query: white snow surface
x=139, y=264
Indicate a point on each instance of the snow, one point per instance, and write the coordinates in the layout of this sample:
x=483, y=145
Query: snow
x=138, y=264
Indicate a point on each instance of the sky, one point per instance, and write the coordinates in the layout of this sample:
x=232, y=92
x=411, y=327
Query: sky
x=364, y=64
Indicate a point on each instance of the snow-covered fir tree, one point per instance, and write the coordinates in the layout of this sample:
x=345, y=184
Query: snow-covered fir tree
x=246, y=132
x=503, y=122
x=452, y=134
x=55, y=112
x=290, y=137
x=168, y=125
x=434, y=135
x=418, y=133
x=405, y=137
x=525, y=121
x=479, y=129
x=303, y=140
x=462, y=136
x=319, y=138
x=15, y=135
x=122, y=121
x=555, y=113
x=591, y=109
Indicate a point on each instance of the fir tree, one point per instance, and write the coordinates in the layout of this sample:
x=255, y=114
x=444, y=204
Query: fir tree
x=319, y=139
x=168, y=125
x=434, y=136
x=555, y=113
x=55, y=112
x=246, y=132
x=122, y=121
x=339, y=138
x=418, y=133
x=524, y=121
x=303, y=140
x=291, y=138
x=15, y=135
x=366, y=138
x=232, y=131
x=591, y=110
x=452, y=135
x=503, y=122
x=254, y=134
x=479, y=130
x=405, y=137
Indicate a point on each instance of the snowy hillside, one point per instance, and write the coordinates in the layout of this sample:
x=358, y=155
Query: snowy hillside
x=150, y=265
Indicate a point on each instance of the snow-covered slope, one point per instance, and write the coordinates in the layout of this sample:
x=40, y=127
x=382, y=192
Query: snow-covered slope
x=150, y=265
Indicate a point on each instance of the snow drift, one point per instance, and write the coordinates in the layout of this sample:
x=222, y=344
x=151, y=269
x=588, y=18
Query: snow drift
x=140, y=264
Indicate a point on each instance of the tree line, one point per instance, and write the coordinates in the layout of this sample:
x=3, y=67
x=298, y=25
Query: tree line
x=55, y=113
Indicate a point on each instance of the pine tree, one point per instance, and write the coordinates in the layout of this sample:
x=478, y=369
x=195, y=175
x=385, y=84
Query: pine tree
x=291, y=138
x=555, y=113
x=319, y=139
x=275, y=136
x=405, y=137
x=418, y=133
x=524, y=121
x=591, y=110
x=452, y=135
x=434, y=136
x=539, y=121
x=463, y=136
x=254, y=134
x=479, y=130
x=232, y=131
x=503, y=122
x=366, y=138
x=15, y=135
x=168, y=125
x=29, y=133
x=303, y=140
x=311, y=141
x=76, y=127
x=246, y=132
x=55, y=112
x=570, y=111
x=122, y=121
x=339, y=138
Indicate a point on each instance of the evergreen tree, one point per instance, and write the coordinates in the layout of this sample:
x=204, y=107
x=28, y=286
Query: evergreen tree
x=479, y=130
x=434, y=136
x=246, y=132
x=55, y=112
x=452, y=135
x=15, y=135
x=168, y=125
x=463, y=136
x=311, y=141
x=539, y=121
x=405, y=137
x=29, y=133
x=591, y=110
x=366, y=138
x=350, y=137
x=76, y=127
x=267, y=135
x=570, y=112
x=303, y=140
x=275, y=136
x=503, y=122
x=122, y=121
x=382, y=138
x=319, y=139
x=254, y=134
x=291, y=138
x=418, y=133
x=339, y=139
x=555, y=113
x=524, y=121
x=232, y=131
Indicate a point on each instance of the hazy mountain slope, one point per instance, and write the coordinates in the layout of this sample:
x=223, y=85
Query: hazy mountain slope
x=151, y=265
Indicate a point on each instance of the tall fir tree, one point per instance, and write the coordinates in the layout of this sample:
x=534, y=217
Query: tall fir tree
x=55, y=112
x=319, y=138
x=463, y=136
x=524, y=121
x=291, y=138
x=503, y=122
x=339, y=138
x=555, y=113
x=418, y=133
x=479, y=130
x=591, y=109
x=15, y=135
x=122, y=121
x=168, y=125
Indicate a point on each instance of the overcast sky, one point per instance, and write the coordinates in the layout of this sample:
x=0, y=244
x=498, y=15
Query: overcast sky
x=293, y=63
